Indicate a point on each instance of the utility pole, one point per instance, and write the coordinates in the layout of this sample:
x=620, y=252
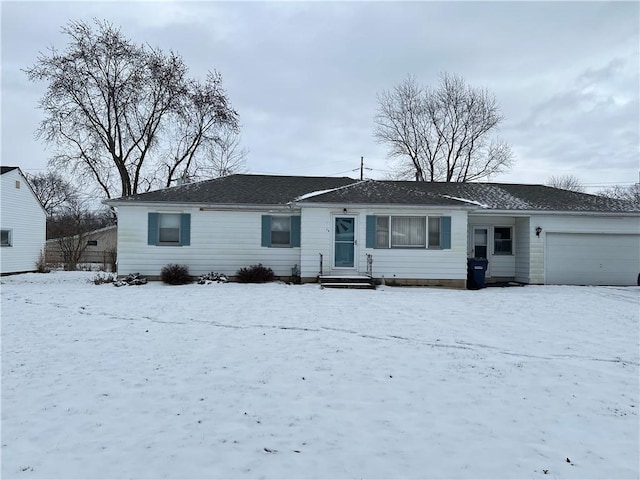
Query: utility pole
x=361, y=168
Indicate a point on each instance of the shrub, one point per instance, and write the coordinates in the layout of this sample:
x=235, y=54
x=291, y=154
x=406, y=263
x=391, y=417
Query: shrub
x=41, y=263
x=174, y=274
x=100, y=278
x=255, y=274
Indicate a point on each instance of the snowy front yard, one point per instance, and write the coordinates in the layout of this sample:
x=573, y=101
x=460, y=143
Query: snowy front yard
x=278, y=381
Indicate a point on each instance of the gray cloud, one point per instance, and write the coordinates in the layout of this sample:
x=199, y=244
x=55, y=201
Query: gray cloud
x=304, y=75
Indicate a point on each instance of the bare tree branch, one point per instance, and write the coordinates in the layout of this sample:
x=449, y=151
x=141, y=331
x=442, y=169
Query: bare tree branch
x=566, y=182
x=442, y=133
x=111, y=107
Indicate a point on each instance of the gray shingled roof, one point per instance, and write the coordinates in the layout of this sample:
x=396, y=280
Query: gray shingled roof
x=280, y=190
x=241, y=190
x=493, y=196
x=4, y=170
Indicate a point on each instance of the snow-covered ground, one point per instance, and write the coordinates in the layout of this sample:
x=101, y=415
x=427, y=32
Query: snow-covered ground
x=281, y=381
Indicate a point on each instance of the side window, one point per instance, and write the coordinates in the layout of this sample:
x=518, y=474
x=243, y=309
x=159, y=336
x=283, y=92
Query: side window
x=5, y=238
x=502, y=241
x=280, y=231
x=169, y=229
x=434, y=232
x=382, y=232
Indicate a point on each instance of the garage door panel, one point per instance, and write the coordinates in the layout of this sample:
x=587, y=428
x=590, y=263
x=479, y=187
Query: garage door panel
x=592, y=259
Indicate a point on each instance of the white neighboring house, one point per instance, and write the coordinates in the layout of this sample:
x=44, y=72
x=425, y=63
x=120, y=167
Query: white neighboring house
x=413, y=233
x=23, y=223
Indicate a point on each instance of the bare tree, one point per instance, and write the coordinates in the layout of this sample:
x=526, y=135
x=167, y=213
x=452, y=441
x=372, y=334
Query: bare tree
x=113, y=107
x=629, y=194
x=566, y=182
x=70, y=228
x=52, y=190
x=442, y=133
x=225, y=157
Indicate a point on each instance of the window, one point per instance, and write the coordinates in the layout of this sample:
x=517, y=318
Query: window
x=92, y=243
x=382, y=232
x=408, y=232
x=502, y=243
x=434, y=232
x=5, y=240
x=280, y=231
x=171, y=229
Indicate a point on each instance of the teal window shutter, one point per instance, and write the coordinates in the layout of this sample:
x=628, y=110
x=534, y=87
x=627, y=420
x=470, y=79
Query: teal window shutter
x=445, y=233
x=185, y=229
x=295, y=231
x=152, y=225
x=371, y=231
x=266, y=230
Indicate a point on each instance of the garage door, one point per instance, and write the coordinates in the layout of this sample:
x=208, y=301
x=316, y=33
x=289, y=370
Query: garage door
x=589, y=259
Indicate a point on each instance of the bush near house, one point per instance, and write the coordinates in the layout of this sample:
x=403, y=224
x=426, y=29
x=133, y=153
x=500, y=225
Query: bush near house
x=175, y=274
x=255, y=274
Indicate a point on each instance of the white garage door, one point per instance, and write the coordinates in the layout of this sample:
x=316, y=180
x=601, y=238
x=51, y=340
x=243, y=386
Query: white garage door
x=590, y=259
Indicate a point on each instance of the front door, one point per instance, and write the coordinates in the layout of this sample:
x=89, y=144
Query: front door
x=480, y=242
x=344, y=242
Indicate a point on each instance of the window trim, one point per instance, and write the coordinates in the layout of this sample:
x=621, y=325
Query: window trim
x=495, y=240
x=389, y=231
x=271, y=231
x=295, y=222
x=160, y=228
x=153, y=229
x=9, y=238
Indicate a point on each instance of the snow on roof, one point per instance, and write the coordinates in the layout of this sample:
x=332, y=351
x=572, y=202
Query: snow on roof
x=466, y=200
x=322, y=192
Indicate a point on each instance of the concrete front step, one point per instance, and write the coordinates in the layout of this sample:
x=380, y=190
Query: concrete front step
x=360, y=285
x=346, y=281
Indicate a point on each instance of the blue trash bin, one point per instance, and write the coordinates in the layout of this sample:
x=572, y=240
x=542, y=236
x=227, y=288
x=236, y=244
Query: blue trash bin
x=476, y=271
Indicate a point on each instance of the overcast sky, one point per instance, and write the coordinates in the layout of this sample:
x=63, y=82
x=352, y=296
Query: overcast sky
x=304, y=76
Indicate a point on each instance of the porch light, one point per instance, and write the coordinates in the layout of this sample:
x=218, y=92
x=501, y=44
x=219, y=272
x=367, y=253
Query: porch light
x=538, y=231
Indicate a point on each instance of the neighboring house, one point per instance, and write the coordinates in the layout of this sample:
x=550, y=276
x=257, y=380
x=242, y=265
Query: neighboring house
x=22, y=223
x=414, y=233
x=100, y=247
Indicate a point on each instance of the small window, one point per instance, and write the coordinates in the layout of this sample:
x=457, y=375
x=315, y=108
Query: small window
x=280, y=231
x=92, y=243
x=5, y=238
x=169, y=228
x=382, y=232
x=434, y=232
x=502, y=241
x=18, y=184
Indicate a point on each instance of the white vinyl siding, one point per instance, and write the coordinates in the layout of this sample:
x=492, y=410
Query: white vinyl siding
x=500, y=265
x=522, y=237
x=220, y=241
x=24, y=218
x=575, y=224
x=398, y=263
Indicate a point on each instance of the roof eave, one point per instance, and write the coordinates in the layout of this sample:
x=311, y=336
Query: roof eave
x=523, y=212
x=383, y=205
